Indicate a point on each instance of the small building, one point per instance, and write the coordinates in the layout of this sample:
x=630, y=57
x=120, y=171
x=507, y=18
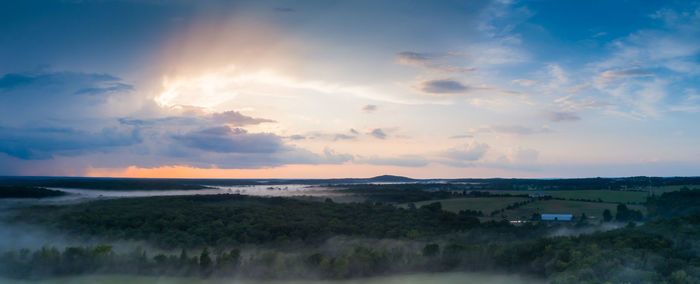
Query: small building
x=557, y=217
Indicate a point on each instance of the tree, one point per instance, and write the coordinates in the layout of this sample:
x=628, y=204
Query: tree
x=607, y=216
x=205, y=267
x=431, y=249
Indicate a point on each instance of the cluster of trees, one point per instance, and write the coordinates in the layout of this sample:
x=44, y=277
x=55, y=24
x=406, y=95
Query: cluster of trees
x=674, y=204
x=28, y=192
x=400, y=193
x=513, y=206
x=230, y=220
x=625, y=214
x=661, y=250
x=103, y=183
x=577, y=183
x=656, y=252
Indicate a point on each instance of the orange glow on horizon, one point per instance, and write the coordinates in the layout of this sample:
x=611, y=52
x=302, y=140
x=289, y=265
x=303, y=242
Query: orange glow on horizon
x=298, y=172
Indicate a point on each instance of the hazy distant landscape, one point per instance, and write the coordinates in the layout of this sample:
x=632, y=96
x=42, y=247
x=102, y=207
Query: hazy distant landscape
x=637, y=229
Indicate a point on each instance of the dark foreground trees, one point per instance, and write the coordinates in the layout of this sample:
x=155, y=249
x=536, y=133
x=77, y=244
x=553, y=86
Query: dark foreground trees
x=656, y=252
x=231, y=220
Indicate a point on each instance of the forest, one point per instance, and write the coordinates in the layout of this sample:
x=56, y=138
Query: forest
x=281, y=238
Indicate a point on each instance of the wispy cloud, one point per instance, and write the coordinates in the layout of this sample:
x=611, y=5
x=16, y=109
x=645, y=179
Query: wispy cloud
x=559, y=116
x=369, y=108
x=430, y=61
x=454, y=87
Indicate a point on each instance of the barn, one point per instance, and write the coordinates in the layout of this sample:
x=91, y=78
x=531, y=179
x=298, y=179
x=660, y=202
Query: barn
x=557, y=217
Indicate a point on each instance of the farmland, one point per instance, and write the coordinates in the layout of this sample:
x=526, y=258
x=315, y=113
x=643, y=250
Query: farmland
x=591, y=209
x=483, y=204
x=616, y=196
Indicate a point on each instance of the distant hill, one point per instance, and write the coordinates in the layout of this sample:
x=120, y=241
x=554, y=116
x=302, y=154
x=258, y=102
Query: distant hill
x=390, y=178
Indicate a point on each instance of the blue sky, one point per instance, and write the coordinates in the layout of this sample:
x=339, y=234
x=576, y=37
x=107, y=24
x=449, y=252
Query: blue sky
x=349, y=88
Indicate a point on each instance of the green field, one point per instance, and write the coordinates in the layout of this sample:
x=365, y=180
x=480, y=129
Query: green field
x=483, y=204
x=592, y=209
x=440, y=278
x=604, y=195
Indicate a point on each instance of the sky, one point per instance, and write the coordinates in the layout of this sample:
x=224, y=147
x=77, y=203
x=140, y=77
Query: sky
x=322, y=89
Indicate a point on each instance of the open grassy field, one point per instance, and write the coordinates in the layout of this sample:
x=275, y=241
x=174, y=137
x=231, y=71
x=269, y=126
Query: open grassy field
x=592, y=209
x=658, y=190
x=483, y=204
x=604, y=195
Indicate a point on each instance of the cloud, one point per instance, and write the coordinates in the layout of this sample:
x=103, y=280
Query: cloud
x=17, y=80
x=559, y=116
x=522, y=156
x=237, y=119
x=454, y=87
x=344, y=137
x=611, y=76
x=223, y=139
x=369, y=108
x=378, y=133
x=524, y=82
x=49, y=142
x=12, y=80
x=571, y=103
x=414, y=58
x=64, y=96
x=429, y=61
x=444, y=86
x=297, y=137
x=112, y=88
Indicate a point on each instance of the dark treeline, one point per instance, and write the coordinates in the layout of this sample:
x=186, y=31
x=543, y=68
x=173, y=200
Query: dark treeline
x=625, y=183
x=405, y=193
x=578, y=183
x=229, y=220
x=27, y=192
x=656, y=252
x=103, y=183
x=674, y=204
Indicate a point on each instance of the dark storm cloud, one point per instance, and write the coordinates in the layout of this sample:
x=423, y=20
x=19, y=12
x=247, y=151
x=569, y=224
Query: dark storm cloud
x=223, y=139
x=47, y=142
